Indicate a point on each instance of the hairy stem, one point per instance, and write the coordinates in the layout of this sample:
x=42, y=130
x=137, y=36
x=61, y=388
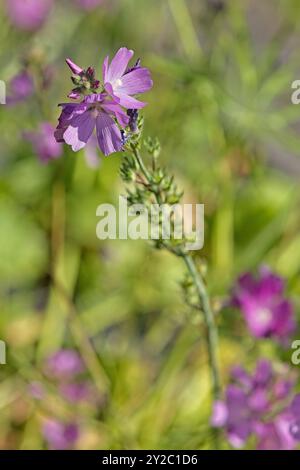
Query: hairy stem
x=212, y=333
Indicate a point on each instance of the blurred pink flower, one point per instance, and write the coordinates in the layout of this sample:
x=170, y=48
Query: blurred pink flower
x=65, y=363
x=266, y=310
x=44, y=143
x=77, y=392
x=88, y=4
x=252, y=406
x=60, y=436
x=28, y=15
x=21, y=87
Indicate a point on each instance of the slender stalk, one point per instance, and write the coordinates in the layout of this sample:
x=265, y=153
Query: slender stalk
x=212, y=334
x=141, y=163
x=186, y=30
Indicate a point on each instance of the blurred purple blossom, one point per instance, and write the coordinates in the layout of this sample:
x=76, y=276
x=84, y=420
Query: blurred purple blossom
x=28, y=15
x=77, y=391
x=44, y=143
x=21, y=87
x=88, y=4
x=252, y=406
x=60, y=436
x=267, y=312
x=64, y=364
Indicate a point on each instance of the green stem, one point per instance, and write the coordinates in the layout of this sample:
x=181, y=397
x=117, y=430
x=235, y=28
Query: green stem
x=212, y=333
x=141, y=164
x=183, y=21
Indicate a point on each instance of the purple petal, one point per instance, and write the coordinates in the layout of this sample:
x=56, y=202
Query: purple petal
x=295, y=430
x=64, y=363
x=111, y=92
x=259, y=318
x=283, y=425
x=76, y=392
x=135, y=82
x=220, y=414
x=105, y=68
x=282, y=389
x=119, y=64
x=240, y=375
x=295, y=406
x=80, y=130
x=268, y=437
x=263, y=373
x=129, y=102
x=44, y=143
x=239, y=434
x=270, y=285
x=74, y=95
x=114, y=108
x=30, y=14
x=108, y=134
x=91, y=152
x=60, y=436
x=88, y=4
x=284, y=323
x=75, y=68
x=258, y=401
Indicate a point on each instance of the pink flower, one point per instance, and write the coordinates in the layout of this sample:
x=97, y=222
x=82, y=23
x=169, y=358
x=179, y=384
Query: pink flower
x=44, y=143
x=262, y=302
x=59, y=435
x=88, y=4
x=65, y=363
x=102, y=107
x=21, y=88
x=28, y=14
x=122, y=83
x=253, y=407
x=79, y=120
x=77, y=392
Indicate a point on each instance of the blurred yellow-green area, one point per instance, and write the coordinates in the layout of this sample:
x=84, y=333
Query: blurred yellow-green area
x=221, y=108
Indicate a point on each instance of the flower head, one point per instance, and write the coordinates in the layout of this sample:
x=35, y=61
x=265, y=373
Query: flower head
x=64, y=364
x=123, y=83
x=21, y=86
x=28, y=14
x=253, y=406
x=79, y=120
x=44, y=143
x=102, y=106
x=262, y=302
x=60, y=436
x=83, y=79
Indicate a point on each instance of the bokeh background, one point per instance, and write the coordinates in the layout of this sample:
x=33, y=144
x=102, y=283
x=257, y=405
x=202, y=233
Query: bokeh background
x=221, y=107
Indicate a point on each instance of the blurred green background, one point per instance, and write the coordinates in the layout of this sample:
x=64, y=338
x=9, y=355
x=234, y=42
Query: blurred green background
x=221, y=107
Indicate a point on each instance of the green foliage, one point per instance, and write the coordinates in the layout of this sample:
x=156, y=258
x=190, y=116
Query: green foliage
x=221, y=109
